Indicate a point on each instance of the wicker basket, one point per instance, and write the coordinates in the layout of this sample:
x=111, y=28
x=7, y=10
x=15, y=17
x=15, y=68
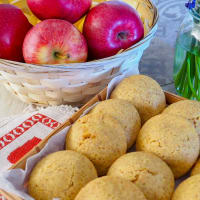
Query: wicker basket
x=76, y=83
x=171, y=98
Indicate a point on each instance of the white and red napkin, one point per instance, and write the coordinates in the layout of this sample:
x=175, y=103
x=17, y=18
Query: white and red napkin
x=19, y=134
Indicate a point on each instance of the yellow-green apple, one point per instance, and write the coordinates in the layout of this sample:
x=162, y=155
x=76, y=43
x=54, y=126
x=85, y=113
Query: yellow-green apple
x=54, y=41
x=110, y=27
x=13, y=28
x=70, y=10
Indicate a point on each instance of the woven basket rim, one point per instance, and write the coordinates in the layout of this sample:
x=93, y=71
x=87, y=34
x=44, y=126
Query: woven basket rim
x=88, y=64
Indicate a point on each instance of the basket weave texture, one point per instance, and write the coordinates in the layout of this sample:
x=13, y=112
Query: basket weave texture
x=74, y=83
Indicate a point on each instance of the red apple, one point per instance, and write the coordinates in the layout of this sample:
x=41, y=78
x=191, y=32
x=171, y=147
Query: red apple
x=54, y=41
x=70, y=10
x=111, y=26
x=13, y=28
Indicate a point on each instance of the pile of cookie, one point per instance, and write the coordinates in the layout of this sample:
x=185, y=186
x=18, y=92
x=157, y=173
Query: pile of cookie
x=96, y=165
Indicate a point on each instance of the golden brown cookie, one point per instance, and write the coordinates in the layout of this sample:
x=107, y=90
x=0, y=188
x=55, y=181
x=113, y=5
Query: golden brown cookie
x=173, y=139
x=148, y=172
x=110, y=188
x=196, y=168
x=145, y=94
x=100, y=137
x=60, y=175
x=125, y=113
x=188, y=109
x=188, y=189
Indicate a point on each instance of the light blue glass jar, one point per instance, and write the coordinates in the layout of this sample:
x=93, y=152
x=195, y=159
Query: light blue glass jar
x=187, y=56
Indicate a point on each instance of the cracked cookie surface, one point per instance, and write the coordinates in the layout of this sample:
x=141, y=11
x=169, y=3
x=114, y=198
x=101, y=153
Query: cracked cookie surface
x=173, y=139
x=60, y=175
x=100, y=137
x=148, y=172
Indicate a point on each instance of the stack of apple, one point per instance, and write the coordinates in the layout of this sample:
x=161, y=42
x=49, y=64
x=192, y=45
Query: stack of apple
x=108, y=27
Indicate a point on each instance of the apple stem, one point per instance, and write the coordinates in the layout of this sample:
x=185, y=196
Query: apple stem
x=122, y=35
x=60, y=56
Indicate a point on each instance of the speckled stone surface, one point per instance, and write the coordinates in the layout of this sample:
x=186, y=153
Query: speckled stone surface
x=157, y=60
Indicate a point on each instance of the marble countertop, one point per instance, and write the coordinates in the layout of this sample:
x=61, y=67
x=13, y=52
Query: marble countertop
x=156, y=62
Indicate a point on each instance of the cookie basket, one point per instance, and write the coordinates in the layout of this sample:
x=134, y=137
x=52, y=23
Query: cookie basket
x=75, y=83
x=170, y=98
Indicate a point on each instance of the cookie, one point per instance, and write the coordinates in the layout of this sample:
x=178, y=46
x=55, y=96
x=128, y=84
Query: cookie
x=148, y=172
x=125, y=113
x=144, y=93
x=60, y=175
x=100, y=137
x=188, y=109
x=173, y=139
x=188, y=189
x=110, y=188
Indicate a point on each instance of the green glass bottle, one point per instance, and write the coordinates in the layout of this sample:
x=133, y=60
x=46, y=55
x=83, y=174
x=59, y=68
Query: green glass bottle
x=187, y=56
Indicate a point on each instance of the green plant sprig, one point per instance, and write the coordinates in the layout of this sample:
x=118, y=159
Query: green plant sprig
x=187, y=81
